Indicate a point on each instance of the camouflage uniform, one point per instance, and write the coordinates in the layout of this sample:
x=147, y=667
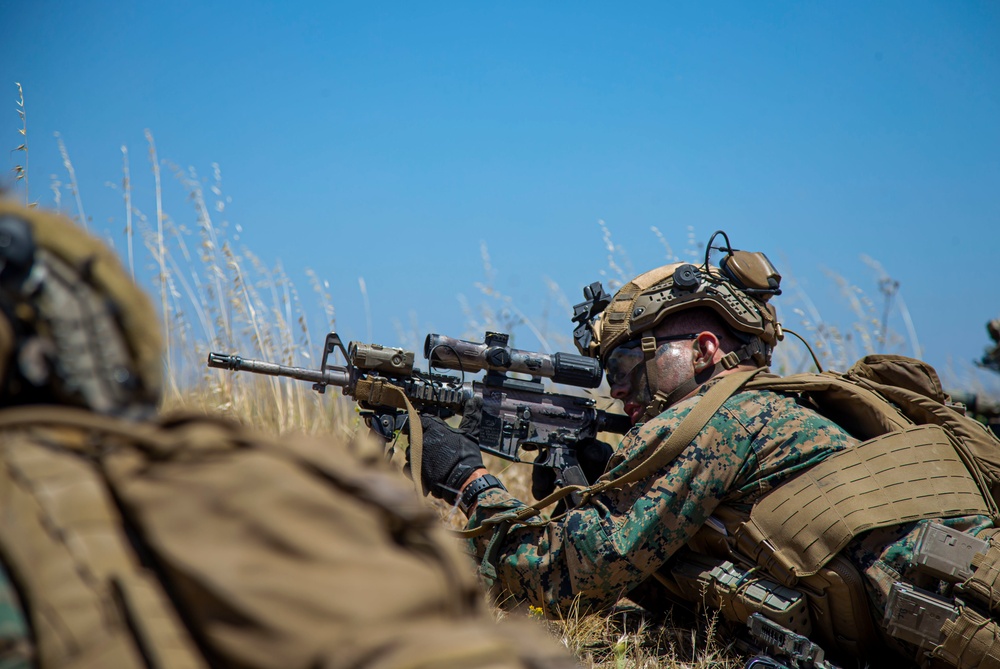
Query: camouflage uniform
x=612, y=545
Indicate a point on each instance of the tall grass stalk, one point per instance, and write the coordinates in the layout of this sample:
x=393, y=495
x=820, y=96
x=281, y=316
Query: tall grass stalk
x=21, y=171
x=74, y=187
x=127, y=195
x=669, y=254
x=160, y=254
x=214, y=296
x=890, y=289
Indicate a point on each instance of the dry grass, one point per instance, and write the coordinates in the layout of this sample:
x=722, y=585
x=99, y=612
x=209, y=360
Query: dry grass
x=216, y=295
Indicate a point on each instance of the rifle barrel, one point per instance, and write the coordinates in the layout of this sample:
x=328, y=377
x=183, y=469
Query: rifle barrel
x=332, y=376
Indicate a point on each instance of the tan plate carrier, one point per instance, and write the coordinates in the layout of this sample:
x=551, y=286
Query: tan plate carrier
x=919, y=459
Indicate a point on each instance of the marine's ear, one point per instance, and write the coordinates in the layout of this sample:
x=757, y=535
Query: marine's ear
x=703, y=350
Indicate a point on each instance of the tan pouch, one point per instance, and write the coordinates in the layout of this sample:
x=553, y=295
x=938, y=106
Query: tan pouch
x=736, y=592
x=91, y=604
x=984, y=584
x=970, y=642
x=839, y=609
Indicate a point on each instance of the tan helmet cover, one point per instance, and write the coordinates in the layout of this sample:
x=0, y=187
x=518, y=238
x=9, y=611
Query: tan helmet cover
x=645, y=301
x=78, y=273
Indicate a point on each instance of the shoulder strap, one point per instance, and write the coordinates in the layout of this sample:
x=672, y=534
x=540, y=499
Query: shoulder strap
x=684, y=434
x=693, y=423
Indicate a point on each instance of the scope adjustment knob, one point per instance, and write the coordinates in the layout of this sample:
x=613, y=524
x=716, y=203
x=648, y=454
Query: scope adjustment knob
x=498, y=356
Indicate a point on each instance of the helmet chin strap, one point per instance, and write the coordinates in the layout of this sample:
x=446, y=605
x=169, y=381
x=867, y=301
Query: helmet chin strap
x=648, y=345
x=662, y=401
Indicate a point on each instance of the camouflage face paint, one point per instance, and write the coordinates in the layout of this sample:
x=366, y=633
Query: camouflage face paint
x=625, y=358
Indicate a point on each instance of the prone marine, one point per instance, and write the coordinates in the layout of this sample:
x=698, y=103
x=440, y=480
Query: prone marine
x=132, y=539
x=855, y=509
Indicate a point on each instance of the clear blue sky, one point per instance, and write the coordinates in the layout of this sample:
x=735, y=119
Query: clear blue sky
x=388, y=140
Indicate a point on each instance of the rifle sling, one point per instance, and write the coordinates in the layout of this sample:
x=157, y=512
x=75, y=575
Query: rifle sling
x=693, y=423
x=377, y=391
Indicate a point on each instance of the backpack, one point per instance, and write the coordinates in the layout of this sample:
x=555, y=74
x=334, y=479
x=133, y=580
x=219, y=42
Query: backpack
x=191, y=542
x=919, y=457
x=883, y=393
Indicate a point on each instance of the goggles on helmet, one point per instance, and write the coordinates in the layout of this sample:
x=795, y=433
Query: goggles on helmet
x=738, y=290
x=625, y=358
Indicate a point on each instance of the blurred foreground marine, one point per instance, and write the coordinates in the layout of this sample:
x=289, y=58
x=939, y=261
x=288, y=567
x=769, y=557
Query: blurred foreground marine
x=128, y=540
x=853, y=509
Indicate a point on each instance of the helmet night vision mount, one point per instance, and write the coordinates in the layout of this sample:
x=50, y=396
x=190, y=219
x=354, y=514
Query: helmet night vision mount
x=737, y=290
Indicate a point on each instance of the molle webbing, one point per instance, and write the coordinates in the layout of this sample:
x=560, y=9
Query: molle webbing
x=737, y=593
x=92, y=604
x=984, y=584
x=250, y=535
x=976, y=441
x=970, y=642
x=614, y=319
x=102, y=269
x=899, y=478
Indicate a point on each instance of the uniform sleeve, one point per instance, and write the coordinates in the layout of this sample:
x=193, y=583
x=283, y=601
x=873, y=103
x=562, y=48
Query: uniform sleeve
x=600, y=551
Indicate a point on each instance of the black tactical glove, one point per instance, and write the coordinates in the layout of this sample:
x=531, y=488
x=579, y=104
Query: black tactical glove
x=450, y=455
x=593, y=455
x=472, y=414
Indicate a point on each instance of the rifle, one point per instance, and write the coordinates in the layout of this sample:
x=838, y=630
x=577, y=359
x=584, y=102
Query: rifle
x=518, y=414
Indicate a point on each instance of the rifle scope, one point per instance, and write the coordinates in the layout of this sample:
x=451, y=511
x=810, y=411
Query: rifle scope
x=494, y=355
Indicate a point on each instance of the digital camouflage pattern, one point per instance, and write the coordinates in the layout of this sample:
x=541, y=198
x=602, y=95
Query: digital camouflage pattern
x=609, y=547
x=15, y=649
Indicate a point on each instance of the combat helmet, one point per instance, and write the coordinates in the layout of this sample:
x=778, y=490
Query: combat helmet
x=737, y=290
x=74, y=327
